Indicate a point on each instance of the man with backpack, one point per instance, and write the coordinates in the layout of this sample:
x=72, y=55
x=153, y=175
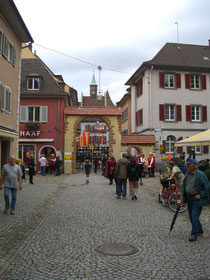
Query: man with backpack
x=121, y=176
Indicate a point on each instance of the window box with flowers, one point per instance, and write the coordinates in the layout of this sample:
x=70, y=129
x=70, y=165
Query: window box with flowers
x=32, y=125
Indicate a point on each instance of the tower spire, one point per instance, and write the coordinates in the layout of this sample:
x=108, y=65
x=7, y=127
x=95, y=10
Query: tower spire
x=93, y=87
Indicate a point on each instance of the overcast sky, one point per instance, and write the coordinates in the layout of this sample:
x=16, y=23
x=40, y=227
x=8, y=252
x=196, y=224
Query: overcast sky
x=115, y=34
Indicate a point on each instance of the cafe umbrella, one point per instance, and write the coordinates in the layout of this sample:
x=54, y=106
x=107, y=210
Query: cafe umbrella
x=174, y=218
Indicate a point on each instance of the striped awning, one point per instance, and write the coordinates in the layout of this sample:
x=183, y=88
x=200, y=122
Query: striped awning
x=8, y=134
x=200, y=139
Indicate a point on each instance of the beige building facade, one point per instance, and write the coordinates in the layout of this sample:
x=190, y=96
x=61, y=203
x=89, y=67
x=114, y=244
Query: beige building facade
x=12, y=34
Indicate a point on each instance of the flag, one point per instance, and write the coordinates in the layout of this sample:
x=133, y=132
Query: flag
x=86, y=138
x=80, y=140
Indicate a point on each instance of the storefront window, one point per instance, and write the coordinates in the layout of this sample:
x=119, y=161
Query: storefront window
x=24, y=153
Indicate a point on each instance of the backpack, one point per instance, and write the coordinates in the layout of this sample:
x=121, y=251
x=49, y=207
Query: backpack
x=132, y=172
x=183, y=168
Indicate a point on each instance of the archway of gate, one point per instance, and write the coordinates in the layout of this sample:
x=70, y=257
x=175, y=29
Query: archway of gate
x=77, y=116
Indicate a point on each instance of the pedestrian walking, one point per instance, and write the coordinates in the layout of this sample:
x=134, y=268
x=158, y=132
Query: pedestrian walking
x=142, y=161
x=195, y=193
x=87, y=170
x=52, y=163
x=11, y=178
x=109, y=170
x=31, y=169
x=103, y=162
x=42, y=161
x=58, y=164
x=134, y=172
x=121, y=176
x=95, y=162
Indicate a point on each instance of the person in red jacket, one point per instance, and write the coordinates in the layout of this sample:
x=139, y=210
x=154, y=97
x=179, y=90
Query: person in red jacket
x=151, y=164
x=52, y=163
x=109, y=170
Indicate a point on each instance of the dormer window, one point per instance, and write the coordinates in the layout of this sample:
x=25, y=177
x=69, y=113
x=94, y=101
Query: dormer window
x=33, y=83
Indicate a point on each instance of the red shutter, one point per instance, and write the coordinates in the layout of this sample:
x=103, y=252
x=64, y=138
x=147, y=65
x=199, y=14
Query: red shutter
x=179, y=149
x=179, y=113
x=161, y=79
x=188, y=150
x=203, y=81
x=161, y=112
x=205, y=149
x=187, y=80
x=141, y=117
x=164, y=147
x=178, y=80
x=188, y=113
x=204, y=113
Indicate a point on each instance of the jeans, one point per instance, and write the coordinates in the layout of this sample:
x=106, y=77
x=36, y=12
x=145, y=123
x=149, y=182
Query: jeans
x=121, y=187
x=194, y=210
x=6, y=197
x=43, y=169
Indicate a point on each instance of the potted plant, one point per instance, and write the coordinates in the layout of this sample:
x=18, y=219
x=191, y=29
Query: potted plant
x=32, y=125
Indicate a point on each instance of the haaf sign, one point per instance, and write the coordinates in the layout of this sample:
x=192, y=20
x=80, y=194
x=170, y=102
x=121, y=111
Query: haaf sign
x=28, y=133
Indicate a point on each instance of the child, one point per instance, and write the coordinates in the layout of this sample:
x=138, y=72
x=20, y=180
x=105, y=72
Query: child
x=87, y=170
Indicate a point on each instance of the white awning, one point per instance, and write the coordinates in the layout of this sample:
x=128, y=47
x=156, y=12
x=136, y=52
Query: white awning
x=8, y=134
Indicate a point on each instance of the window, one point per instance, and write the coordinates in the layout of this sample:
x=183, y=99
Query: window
x=1, y=96
x=139, y=117
x=196, y=113
x=169, y=81
x=7, y=49
x=139, y=88
x=33, y=83
x=169, y=145
x=124, y=115
x=7, y=99
x=33, y=113
x=195, y=82
x=169, y=112
x=11, y=54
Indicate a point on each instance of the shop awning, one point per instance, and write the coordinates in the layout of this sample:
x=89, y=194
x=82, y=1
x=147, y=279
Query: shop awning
x=8, y=134
x=200, y=139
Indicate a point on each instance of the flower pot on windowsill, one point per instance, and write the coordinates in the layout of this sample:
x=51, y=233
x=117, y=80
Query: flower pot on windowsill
x=32, y=125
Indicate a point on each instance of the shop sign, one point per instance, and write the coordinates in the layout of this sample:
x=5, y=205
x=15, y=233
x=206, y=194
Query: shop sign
x=30, y=133
x=67, y=157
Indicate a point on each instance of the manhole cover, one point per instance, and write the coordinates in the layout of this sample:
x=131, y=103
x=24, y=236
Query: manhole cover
x=116, y=249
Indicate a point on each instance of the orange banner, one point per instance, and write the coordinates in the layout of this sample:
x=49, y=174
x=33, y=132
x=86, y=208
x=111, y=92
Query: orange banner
x=86, y=138
x=80, y=140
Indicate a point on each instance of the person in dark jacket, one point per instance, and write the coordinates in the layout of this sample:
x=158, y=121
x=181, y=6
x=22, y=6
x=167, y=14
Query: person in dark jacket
x=87, y=170
x=109, y=169
x=31, y=169
x=58, y=164
x=195, y=193
x=134, y=171
x=120, y=174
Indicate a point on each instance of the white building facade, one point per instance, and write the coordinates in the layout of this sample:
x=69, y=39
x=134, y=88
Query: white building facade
x=170, y=97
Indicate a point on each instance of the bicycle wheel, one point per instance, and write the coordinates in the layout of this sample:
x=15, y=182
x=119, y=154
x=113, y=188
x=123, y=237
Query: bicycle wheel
x=173, y=202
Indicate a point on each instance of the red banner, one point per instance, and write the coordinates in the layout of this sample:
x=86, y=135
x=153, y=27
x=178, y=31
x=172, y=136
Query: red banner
x=86, y=138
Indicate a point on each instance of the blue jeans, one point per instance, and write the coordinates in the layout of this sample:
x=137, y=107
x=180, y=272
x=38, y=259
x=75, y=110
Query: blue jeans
x=6, y=197
x=194, y=210
x=121, y=187
x=43, y=169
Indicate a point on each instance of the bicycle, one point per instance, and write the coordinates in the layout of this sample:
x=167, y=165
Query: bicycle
x=174, y=201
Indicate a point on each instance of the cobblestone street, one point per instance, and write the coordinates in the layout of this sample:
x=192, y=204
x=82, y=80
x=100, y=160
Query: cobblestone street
x=60, y=221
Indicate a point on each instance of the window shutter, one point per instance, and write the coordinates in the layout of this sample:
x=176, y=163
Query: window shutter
x=188, y=149
x=1, y=41
x=178, y=80
x=161, y=79
x=188, y=113
x=1, y=97
x=5, y=46
x=164, y=147
x=203, y=81
x=179, y=113
x=204, y=113
x=141, y=117
x=44, y=114
x=187, y=80
x=13, y=56
x=161, y=112
x=205, y=149
x=179, y=149
x=23, y=113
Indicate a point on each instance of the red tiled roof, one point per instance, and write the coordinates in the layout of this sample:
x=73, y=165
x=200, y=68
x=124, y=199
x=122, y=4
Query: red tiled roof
x=88, y=101
x=93, y=111
x=138, y=139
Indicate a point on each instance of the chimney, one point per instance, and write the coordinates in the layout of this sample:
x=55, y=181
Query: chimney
x=81, y=99
x=209, y=42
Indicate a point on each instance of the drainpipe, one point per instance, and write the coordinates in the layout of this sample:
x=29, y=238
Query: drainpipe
x=150, y=100
x=58, y=130
x=18, y=102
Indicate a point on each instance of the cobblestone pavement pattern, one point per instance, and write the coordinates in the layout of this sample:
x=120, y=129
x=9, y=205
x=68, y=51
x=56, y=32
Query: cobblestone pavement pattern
x=60, y=221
